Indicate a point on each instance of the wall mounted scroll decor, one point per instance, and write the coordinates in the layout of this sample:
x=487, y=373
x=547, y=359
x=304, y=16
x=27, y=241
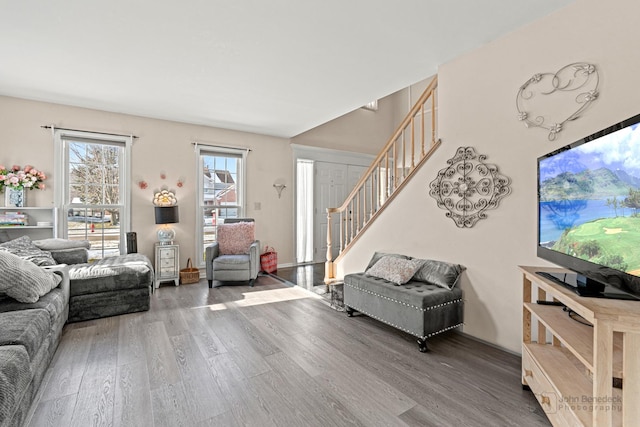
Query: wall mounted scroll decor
x=564, y=95
x=468, y=187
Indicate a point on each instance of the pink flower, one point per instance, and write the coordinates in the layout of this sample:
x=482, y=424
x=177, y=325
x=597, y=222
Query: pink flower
x=41, y=186
x=26, y=178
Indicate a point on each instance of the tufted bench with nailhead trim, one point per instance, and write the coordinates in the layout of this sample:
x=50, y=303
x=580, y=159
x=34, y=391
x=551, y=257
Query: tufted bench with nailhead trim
x=418, y=308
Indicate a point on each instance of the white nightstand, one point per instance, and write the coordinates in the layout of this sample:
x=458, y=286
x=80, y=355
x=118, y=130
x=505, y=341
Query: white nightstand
x=167, y=264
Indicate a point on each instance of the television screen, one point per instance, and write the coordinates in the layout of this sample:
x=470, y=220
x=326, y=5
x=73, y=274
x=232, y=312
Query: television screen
x=589, y=206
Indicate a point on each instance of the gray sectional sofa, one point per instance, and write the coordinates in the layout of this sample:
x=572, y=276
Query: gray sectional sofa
x=37, y=298
x=413, y=295
x=30, y=334
x=110, y=286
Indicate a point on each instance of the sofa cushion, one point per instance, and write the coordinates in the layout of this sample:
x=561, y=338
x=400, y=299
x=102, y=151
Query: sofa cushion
x=15, y=376
x=395, y=269
x=25, y=249
x=417, y=294
x=439, y=273
x=53, y=302
x=65, y=251
x=231, y=262
x=56, y=244
x=23, y=280
x=28, y=328
x=235, y=238
x=129, y=271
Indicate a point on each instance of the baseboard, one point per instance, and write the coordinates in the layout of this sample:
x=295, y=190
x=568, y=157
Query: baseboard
x=287, y=265
x=490, y=344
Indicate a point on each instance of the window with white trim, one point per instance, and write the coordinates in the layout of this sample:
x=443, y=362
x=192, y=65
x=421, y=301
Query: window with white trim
x=93, y=192
x=221, y=192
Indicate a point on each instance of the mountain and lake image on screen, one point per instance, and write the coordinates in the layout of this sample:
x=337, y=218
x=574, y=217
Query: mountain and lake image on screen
x=589, y=200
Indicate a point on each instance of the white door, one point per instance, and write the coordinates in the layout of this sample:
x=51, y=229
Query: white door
x=333, y=183
x=330, y=190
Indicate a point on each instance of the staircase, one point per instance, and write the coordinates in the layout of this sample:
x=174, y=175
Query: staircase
x=408, y=148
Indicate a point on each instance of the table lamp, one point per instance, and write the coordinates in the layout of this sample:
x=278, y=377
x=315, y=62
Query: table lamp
x=166, y=215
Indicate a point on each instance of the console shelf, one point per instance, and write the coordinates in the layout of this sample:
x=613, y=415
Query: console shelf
x=32, y=229
x=572, y=374
x=576, y=337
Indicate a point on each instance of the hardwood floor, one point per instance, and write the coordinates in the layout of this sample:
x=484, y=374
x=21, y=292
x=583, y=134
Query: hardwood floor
x=307, y=276
x=272, y=355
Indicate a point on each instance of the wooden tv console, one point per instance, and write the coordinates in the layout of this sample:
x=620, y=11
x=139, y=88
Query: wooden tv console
x=572, y=367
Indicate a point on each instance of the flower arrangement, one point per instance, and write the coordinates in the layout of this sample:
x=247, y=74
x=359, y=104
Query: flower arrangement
x=17, y=178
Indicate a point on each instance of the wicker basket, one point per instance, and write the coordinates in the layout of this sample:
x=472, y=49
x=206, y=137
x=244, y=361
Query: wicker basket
x=189, y=274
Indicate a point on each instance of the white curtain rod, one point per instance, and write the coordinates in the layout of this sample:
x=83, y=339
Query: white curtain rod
x=88, y=131
x=195, y=144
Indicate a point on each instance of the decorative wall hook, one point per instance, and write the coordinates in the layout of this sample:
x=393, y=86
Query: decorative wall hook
x=279, y=188
x=559, y=93
x=468, y=187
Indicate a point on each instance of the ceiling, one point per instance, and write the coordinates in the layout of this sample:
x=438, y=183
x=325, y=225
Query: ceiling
x=278, y=67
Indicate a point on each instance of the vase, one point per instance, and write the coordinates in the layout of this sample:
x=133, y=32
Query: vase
x=13, y=198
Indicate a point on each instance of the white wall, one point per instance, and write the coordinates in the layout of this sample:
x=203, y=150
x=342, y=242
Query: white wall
x=161, y=146
x=477, y=108
x=360, y=131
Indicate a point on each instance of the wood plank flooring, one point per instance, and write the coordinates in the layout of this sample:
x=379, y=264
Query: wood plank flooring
x=272, y=355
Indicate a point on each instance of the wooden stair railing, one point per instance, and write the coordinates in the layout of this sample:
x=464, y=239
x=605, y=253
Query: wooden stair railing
x=408, y=148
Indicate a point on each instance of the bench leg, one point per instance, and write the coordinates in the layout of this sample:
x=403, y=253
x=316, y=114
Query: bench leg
x=210, y=283
x=349, y=310
x=422, y=345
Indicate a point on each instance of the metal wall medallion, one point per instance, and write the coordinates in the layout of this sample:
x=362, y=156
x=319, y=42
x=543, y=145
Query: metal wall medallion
x=549, y=100
x=468, y=187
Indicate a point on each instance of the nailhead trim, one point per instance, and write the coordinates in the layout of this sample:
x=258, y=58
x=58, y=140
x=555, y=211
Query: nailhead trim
x=456, y=301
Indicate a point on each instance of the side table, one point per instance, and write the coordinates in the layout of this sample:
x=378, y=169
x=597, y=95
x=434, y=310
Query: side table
x=167, y=264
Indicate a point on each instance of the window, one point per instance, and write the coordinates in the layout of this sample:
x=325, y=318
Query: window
x=94, y=194
x=221, y=189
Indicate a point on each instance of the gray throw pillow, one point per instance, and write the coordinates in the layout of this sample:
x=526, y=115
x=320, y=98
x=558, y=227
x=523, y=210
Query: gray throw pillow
x=395, y=269
x=378, y=255
x=24, y=281
x=25, y=249
x=56, y=244
x=439, y=273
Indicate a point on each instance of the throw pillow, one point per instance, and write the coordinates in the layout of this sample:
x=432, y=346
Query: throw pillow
x=378, y=255
x=24, y=281
x=439, y=273
x=25, y=249
x=394, y=269
x=56, y=244
x=235, y=238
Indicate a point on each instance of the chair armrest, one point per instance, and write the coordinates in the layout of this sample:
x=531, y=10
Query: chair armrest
x=254, y=258
x=211, y=252
x=63, y=271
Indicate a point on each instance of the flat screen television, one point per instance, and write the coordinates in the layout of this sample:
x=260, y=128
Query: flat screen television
x=589, y=211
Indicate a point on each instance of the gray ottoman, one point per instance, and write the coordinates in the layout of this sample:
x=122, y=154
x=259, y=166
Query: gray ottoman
x=109, y=287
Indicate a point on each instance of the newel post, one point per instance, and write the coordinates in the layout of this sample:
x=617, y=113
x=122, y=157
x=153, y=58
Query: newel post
x=328, y=266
